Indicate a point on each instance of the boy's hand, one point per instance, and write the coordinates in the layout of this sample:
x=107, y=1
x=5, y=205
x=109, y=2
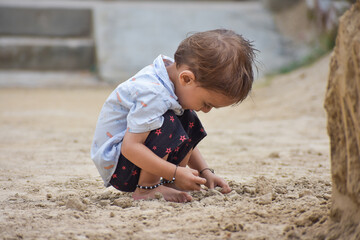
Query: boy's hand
x=188, y=179
x=213, y=181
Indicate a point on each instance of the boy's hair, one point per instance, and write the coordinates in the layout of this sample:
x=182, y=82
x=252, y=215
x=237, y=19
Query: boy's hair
x=221, y=60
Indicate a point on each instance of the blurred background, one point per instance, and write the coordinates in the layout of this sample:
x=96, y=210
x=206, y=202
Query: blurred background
x=81, y=42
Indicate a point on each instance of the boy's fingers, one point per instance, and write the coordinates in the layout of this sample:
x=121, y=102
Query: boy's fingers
x=225, y=188
x=195, y=172
x=196, y=187
x=200, y=180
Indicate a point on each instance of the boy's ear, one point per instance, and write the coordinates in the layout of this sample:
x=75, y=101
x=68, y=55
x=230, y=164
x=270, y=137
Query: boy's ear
x=186, y=77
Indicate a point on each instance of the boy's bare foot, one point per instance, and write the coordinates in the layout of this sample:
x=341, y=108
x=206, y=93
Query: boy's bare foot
x=170, y=194
x=171, y=185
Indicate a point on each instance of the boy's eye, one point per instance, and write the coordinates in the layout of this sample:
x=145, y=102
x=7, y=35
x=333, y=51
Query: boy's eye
x=207, y=105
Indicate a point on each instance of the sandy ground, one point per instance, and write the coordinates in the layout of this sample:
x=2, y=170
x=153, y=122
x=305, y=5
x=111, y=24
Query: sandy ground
x=273, y=149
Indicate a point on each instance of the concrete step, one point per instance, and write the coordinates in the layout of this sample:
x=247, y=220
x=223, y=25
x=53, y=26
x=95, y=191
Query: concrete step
x=49, y=79
x=47, y=53
x=45, y=21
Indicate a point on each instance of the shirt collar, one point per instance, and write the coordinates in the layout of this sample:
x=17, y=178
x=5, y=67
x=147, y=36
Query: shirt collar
x=161, y=72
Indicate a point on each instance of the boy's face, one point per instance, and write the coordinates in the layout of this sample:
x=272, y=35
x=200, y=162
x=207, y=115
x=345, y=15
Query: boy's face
x=192, y=96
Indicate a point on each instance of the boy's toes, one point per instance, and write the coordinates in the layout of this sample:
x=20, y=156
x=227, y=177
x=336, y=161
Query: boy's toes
x=184, y=197
x=188, y=198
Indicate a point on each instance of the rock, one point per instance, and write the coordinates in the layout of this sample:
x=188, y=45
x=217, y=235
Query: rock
x=342, y=103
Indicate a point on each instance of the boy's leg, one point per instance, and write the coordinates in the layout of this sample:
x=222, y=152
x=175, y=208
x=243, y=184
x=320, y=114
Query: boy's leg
x=173, y=142
x=169, y=192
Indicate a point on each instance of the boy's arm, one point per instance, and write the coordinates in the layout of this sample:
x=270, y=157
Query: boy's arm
x=133, y=148
x=198, y=162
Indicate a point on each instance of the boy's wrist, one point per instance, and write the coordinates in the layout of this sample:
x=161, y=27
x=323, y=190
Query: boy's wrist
x=206, y=169
x=173, y=172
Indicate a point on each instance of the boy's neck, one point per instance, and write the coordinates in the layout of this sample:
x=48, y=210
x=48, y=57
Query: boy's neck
x=173, y=73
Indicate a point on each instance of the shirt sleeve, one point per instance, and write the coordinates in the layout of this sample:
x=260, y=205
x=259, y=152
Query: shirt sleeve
x=148, y=108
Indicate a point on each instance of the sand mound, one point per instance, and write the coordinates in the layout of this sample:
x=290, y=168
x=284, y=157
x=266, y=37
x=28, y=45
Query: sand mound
x=342, y=104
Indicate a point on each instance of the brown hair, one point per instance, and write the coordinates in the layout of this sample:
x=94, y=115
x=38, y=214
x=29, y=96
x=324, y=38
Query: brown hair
x=221, y=60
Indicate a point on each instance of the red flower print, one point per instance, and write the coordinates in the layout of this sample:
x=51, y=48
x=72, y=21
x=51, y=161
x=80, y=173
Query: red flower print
x=168, y=150
x=176, y=149
x=158, y=132
x=170, y=136
x=201, y=130
x=189, y=140
x=182, y=138
x=172, y=118
x=114, y=176
x=154, y=148
x=123, y=168
x=134, y=173
x=191, y=124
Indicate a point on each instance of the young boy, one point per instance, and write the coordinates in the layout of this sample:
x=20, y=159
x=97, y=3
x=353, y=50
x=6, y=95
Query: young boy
x=147, y=131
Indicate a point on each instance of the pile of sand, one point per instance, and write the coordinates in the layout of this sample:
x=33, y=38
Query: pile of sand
x=273, y=149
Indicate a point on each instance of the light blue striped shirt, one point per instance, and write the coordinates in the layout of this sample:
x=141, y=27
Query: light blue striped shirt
x=136, y=104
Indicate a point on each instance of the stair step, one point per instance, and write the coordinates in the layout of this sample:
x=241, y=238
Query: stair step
x=45, y=21
x=47, y=53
